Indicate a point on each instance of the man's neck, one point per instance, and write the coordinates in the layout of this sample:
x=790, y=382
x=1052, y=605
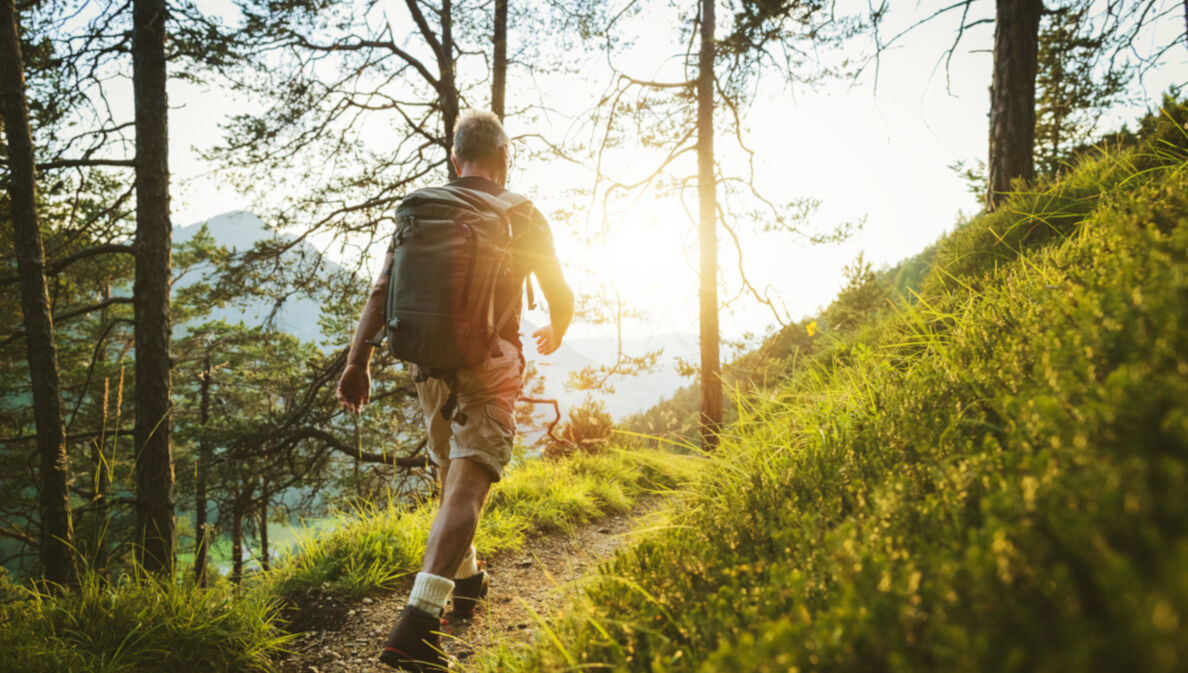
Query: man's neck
x=477, y=171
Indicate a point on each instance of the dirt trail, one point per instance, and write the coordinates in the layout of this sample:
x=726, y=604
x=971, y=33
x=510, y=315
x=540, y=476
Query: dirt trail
x=535, y=579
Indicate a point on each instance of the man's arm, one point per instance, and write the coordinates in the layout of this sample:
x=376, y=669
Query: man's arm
x=557, y=294
x=560, y=301
x=355, y=384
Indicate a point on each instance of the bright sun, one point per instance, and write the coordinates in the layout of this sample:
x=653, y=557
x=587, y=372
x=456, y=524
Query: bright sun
x=648, y=256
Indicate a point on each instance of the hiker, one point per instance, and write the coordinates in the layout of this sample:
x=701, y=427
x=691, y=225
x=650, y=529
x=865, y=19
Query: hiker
x=472, y=448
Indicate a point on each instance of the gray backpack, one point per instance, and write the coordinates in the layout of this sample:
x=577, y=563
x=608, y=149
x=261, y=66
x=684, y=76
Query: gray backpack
x=451, y=248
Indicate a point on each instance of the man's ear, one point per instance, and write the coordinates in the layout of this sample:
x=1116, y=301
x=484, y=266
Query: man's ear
x=454, y=160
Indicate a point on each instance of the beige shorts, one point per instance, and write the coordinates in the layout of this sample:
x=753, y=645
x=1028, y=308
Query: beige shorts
x=487, y=396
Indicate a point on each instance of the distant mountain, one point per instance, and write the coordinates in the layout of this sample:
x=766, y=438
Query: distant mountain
x=239, y=230
x=632, y=393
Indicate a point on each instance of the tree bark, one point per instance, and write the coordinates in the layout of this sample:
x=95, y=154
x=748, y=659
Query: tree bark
x=154, y=462
x=264, y=565
x=1012, y=96
x=237, y=541
x=200, y=523
x=449, y=88
x=56, y=553
x=711, y=373
x=499, y=59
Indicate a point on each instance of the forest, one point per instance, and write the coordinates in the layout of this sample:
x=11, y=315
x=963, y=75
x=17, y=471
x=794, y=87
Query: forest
x=839, y=394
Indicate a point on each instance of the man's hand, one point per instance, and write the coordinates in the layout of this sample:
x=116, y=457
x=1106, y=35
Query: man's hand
x=547, y=340
x=354, y=387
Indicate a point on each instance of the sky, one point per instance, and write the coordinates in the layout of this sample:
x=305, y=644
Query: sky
x=875, y=154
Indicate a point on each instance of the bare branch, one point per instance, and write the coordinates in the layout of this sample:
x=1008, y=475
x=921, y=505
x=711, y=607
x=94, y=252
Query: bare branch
x=374, y=44
x=85, y=163
x=423, y=25
x=342, y=447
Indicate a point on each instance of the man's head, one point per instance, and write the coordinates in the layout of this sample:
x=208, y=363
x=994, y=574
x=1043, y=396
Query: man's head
x=480, y=146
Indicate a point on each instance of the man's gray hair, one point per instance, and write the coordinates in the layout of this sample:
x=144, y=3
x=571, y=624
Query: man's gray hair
x=477, y=135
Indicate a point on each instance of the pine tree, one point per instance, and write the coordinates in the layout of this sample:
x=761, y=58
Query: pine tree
x=154, y=459
x=1071, y=95
x=1012, y=96
x=711, y=364
x=57, y=553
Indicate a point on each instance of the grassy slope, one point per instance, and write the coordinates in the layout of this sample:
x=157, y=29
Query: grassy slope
x=993, y=479
x=140, y=626
x=374, y=548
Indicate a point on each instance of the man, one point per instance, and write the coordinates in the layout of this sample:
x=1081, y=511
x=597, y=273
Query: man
x=472, y=449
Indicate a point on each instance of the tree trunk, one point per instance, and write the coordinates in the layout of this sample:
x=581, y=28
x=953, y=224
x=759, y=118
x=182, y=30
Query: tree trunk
x=154, y=462
x=57, y=556
x=449, y=89
x=711, y=379
x=499, y=60
x=237, y=542
x=264, y=534
x=1012, y=96
x=200, y=523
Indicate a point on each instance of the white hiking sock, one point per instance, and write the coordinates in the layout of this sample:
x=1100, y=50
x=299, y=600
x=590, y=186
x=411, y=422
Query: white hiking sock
x=468, y=567
x=430, y=592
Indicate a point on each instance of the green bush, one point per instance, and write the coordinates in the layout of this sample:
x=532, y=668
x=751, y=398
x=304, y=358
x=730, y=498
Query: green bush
x=588, y=429
x=994, y=478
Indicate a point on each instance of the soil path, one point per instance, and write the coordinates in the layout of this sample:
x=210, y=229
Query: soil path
x=536, y=579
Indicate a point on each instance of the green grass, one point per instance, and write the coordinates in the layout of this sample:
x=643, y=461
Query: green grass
x=140, y=626
x=174, y=627
x=994, y=478
x=374, y=547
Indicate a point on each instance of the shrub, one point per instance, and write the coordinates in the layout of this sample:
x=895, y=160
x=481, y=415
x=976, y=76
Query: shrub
x=588, y=429
x=860, y=299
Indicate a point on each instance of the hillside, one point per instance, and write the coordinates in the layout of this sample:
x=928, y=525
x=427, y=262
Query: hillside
x=990, y=478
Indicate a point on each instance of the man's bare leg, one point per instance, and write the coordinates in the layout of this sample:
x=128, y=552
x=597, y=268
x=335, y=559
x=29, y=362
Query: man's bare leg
x=450, y=538
x=466, y=484
x=443, y=472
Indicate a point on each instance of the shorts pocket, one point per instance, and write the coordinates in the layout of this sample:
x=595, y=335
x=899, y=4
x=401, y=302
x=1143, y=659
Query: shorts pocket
x=502, y=418
x=506, y=352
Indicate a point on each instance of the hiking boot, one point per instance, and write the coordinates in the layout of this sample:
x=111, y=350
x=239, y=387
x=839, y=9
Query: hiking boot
x=415, y=643
x=468, y=593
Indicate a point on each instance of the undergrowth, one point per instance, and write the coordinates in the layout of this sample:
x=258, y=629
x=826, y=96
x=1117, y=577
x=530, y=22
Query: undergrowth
x=141, y=626
x=146, y=626
x=993, y=478
x=375, y=546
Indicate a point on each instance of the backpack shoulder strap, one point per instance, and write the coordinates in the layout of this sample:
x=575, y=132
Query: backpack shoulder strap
x=501, y=205
x=514, y=200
